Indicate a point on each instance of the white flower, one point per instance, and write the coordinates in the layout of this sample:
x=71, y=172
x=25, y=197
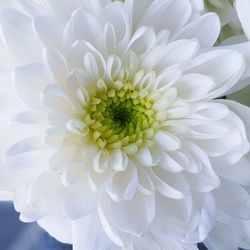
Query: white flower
x=116, y=139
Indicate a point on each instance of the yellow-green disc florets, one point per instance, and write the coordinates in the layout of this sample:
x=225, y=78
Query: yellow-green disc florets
x=121, y=115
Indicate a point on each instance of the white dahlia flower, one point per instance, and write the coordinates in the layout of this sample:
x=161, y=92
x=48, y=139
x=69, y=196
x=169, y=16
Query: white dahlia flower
x=117, y=138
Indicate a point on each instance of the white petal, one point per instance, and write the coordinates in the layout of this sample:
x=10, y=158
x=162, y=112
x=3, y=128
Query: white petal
x=170, y=15
x=109, y=229
x=172, y=214
x=175, y=180
x=237, y=204
x=89, y=234
x=239, y=172
x=101, y=161
x=208, y=131
x=79, y=203
x=178, y=110
x=49, y=31
x=233, y=145
x=118, y=160
x=27, y=153
x=208, y=111
x=176, y=52
x=58, y=119
x=34, y=7
x=77, y=127
x=208, y=216
x=58, y=226
x=173, y=162
x=167, y=141
x=242, y=111
x=110, y=38
x=30, y=117
x=55, y=97
x=194, y=87
x=92, y=32
x=132, y=216
x=114, y=66
x=30, y=81
x=205, y=28
x=12, y=180
x=175, y=188
x=62, y=156
x=15, y=27
x=123, y=184
x=243, y=10
x=222, y=237
x=205, y=181
x=54, y=136
x=145, y=183
x=75, y=173
x=142, y=40
x=224, y=66
x=94, y=65
x=63, y=8
x=46, y=194
x=145, y=157
x=57, y=65
x=147, y=242
x=76, y=54
x=243, y=47
x=117, y=16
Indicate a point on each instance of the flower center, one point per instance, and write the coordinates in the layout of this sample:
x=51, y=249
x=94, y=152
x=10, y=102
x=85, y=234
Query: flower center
x=120, y=115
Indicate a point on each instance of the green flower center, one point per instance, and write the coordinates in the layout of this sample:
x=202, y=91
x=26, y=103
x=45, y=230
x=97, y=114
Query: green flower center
x=121, y=115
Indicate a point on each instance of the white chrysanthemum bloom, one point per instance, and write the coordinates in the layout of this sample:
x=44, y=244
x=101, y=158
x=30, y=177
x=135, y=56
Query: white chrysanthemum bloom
x=117, y=139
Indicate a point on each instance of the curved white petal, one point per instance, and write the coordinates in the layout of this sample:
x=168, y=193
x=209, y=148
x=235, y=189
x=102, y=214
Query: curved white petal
x=194, y=87
x=27, y=153
x=133, y=216
x=239, y=172
x=205, y=28
x=55, y=97
x=49, y=31
x=30, y=81
x=118, y=160
x=73, y=30
x=174, y=215
x=123, y=184
x=224, y=66
x=167, y=141
x=16, y=26
x=79, y=203
x=58, y=226
x=142, y=40
x=89, y=234
x=170, y=15
x=62, y=156
x=30, y=117
x=57, y=64
x=243, y=10
x=235, y=205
